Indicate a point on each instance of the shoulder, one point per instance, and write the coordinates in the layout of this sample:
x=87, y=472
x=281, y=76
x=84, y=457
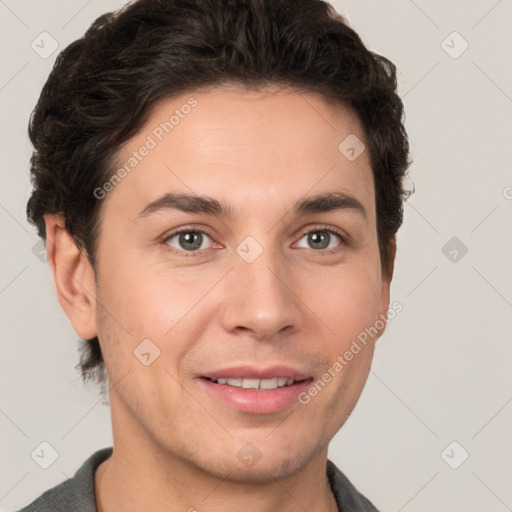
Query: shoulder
x=347, y=496
x=76, y=493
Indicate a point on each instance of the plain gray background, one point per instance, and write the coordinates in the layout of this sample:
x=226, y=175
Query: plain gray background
x=441, y=372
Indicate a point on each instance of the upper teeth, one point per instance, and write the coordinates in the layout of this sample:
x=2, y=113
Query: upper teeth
x=277, y=382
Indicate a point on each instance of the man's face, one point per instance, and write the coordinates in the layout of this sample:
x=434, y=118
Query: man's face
x=264, y=289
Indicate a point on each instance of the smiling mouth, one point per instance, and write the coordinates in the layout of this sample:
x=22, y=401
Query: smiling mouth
x=256, y=384
x=242, y=390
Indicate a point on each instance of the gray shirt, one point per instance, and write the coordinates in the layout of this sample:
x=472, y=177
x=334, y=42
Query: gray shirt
x=77, y=493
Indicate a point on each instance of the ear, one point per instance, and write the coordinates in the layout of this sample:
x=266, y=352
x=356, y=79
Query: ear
x=388, y=271
x=387, y=276
x=73, y=276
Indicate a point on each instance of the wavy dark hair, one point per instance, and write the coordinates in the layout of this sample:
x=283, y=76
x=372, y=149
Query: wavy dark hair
x=104, y=85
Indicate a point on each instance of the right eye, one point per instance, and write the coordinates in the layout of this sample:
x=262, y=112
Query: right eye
x=188, y=241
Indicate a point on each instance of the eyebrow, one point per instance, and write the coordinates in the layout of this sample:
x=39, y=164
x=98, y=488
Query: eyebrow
x=189, y=203
x=329, y=202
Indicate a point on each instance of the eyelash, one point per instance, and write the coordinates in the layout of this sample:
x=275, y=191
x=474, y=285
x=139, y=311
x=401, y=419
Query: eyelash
x=316, y=229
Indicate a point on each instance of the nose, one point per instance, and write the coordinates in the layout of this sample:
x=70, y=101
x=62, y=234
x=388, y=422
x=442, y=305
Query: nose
x=261, y=298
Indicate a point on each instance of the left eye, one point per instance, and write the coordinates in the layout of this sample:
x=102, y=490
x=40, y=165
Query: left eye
x=321, y=239
x=188, y=240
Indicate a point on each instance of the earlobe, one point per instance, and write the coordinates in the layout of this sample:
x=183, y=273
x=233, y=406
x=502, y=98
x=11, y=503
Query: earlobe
x=73, y=276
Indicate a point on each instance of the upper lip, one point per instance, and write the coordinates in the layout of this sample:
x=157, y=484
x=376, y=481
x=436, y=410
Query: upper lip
x=254, y=372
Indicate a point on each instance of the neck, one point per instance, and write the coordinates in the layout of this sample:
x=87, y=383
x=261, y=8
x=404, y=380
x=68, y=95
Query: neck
x=131, y=481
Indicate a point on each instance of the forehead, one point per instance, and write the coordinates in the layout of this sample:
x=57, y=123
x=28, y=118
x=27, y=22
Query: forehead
x=244, y=147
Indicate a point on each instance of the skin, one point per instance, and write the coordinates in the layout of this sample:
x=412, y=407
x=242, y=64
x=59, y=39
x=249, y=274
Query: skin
x=296, y=304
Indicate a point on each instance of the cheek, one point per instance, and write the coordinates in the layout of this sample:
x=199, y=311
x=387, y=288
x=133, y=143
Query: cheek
x=144, y=300
x=153, y=302
x=347, y=300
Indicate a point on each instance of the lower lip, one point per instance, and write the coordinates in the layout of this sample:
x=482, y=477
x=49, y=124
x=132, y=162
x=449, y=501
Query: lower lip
x=257, y=401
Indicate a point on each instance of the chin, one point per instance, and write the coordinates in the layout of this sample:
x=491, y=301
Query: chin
x=251, y=466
